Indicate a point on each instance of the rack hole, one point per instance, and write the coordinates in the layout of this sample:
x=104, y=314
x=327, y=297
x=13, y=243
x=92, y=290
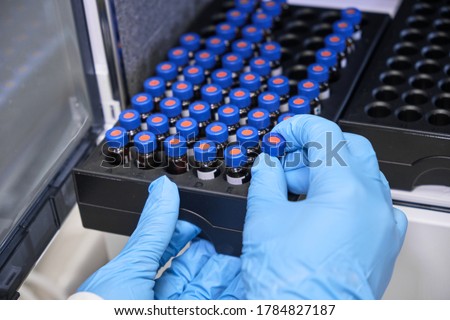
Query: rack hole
x=298, y=72
x=442, y=101
x=442, y=25
x=428, y=66
x=392, y=78
x=434, y=52
x=378, y=110
x=439, y=38
x=289, y=40
x=385, y=93
x=421, y=82
x=297, y=27
x=406, y=49
x=423, y=9
x=313, y=43
x=439, y=118
x=415, y=97
x=286, y=55
x=444, y=85
x=322, y=29
x=447, y=70
x=293, y=90
x=305, y=14
x=399, y=63
x=306, y=57
x=412, y=35
x=208, y=31
x=409, y=114
x=330, y=17
x=445, y=12
x=418, y=22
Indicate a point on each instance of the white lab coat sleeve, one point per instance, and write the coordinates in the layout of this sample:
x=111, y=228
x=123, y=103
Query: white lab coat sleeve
x=84, y=296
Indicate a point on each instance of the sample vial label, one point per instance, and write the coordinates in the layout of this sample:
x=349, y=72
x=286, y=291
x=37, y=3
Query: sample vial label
x=236, y=181
x=324, y=95
x=284, y=107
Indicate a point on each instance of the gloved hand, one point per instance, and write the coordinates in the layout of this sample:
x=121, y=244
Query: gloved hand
x=339, y=243
x=131, y=275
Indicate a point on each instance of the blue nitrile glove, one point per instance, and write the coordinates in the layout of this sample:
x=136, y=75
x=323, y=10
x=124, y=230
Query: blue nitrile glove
x=339, y=243
x=201, y=273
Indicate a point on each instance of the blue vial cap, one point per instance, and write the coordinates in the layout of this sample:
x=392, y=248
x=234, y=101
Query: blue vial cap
x=271, y=7
x=260, y=66
x=247, y=136
x=205, y=151
x=285, y=116
x=211, y=93
x=217, y=132
x=343, y=27
x=279, y=85
x=216, y=45
x=142, y=102
x=226, y=31
x=222, y=77
x=194, y=74
x=233, y=62
x=175, y=146
x=269, y=101
x=240, y=97
x=158, y=123
x=308, y=88
x=273, y=144
x=116, y=137
x=190, y=41
x=235, y=156
x=262, y=20
x=179, y=56
x=130, y=119
x=200, y=111
x=252, y=33
x=246, y=6
x=336, y=42
x=171, y=107
x=259, y=118
x=299, y=105
x=271, y=50
x=242, y=47
x=167, y=70
x=353, y=15
x=205, y=59
x=236, y=17
x=229, y=114
x=155, y=86
x=187, y=128
x=250, y=81
x=327, y=57
x=318, y=72
x=182, y=90
x=145, y=142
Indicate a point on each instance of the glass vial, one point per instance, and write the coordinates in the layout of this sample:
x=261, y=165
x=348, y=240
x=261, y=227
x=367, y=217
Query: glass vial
x=218, y=132
x=271, y=102
x=265, y=22
x=180, y=57
x=176, y=153
x=272, y=52
x=233, y=62
x=252, y=82
x=201, y=112
x=146, y=156
x=196, y=76
x=354, y=16
x=259, y=118
x=158, y=124
x=142, y=103
x=247, y=137
x=217, y=46
x=171, y=107
x=261, y=66
x=299, y=105
x=183, y=90
x=285, y=116
x=224, y=79
x=229, y=115
x=254, y=35
x=319, y=73
x=191, y=42
x=155, y=87
x=117, y=151
x=280, y=85
x=168, y=72
x=244, y=48
x=130, y=120
x=226, y=31
x=273, y=144
x=207, y=166
x=345, y=29
x=241, y=98
x=188, y=129
x=328, y=58
x=212, y=94
x=237, y=171
x=337, y=43
x=311, y=90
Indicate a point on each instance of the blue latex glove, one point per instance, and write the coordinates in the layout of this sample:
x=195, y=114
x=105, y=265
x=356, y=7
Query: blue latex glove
x=131, y=275
x=339, y=243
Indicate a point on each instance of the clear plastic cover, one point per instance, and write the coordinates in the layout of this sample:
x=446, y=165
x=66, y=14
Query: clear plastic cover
x=44, y=106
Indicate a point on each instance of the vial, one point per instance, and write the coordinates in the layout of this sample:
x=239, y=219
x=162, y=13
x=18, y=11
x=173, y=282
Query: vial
x=212, y=94
x=201, y=112
x=237, y=18
x=191, y=42
x=285, y=116
x=299, y=105
x=273, y=9
x=252, y=82
x=240, y=97
x=142, y=103
x=345, y=29
x=180, y=57
x=217, y=46
x=243, y=48
x=117, y=151
x=171, y=107
x=176, y=153
x=155, y=87
x=226, y=31
x=319, y=73
x=188, y=129
x=224, y=79
x=273, y=144
x=247, y=6
x=146, y=156
x=311, y=90
x=218, y=132
x=259, y=118
x=158, y=124
x=328, y=58
x=184, y=92
x=196, y=76
x=207, y=166
x=130, y=120
x=206, y=60
x=337, y=43
x=264, y=21
x=168, y=71
x=237, y=171
x=272, y=52
x=248, y=138
x=270, y=101
x=354, y=16
x=234, y=63
x=229, y=114
x=261, y=66
x=253, y=34
x=280, y=85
